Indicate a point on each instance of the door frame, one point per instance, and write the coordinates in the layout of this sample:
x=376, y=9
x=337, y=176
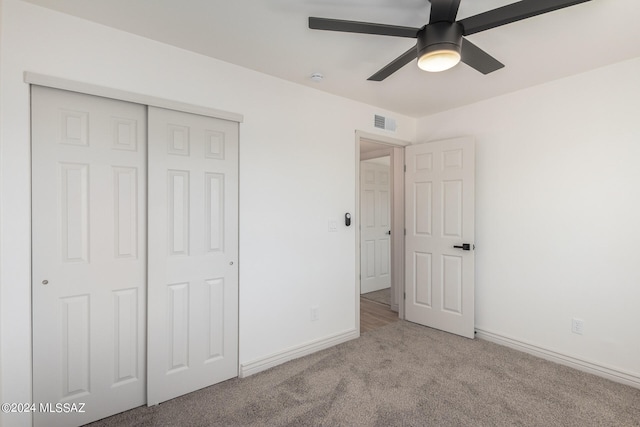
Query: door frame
x=395, y=148
x=37, y=79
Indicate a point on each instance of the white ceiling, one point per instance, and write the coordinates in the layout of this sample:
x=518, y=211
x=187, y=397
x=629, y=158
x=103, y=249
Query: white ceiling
x=272, y=36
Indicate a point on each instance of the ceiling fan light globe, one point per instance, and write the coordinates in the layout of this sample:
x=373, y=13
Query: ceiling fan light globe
x=438, y=60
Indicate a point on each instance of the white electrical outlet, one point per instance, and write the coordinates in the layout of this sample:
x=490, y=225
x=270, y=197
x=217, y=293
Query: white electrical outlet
x=314, y=313
x=333, y=225
x=577, y=326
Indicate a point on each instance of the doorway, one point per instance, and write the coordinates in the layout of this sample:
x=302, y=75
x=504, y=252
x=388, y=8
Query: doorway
x=436, y=180
x=380, y=232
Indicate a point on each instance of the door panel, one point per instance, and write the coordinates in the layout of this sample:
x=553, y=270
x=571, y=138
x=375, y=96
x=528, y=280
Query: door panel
x=89, y=254
x=375, y=261
x=439, y=186
x=193, y=253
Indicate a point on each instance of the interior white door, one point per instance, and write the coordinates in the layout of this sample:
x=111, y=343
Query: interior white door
x=375, y=227
x=89, y=255
x=439, y=197
x=193, y=253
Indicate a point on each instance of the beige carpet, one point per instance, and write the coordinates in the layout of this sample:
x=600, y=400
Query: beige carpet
x=403, y=375
x=382, y=296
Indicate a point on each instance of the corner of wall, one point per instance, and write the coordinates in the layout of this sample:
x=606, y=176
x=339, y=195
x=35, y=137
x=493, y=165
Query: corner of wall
x=1, y=144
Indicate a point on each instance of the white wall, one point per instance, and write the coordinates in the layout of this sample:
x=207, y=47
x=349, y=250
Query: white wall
x=558, y=213
x=1, y=329
x=297, y=171
x=380, y=161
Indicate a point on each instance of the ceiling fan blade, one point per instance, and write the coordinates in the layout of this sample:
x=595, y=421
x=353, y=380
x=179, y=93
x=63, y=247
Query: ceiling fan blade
x=444, y=10
x=395, y=65
x=512, y=13
x=362, y=27
x=477, y=58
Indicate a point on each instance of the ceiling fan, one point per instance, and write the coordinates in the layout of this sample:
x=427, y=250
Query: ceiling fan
x=441, y=43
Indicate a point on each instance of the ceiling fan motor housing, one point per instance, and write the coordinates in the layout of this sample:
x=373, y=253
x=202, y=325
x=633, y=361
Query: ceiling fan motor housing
x=440, y=36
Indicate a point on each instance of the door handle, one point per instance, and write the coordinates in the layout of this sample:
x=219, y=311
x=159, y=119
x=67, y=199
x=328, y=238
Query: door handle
x=465, y=247
x=389, y=232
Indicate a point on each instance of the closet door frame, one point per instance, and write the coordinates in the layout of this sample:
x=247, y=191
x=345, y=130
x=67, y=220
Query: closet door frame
x=123, y=95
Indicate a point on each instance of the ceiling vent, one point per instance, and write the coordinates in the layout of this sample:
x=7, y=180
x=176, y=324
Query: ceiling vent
x=385, y=123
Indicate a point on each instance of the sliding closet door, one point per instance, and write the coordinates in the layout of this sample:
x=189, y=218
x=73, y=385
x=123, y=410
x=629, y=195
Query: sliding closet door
x=193, y=253
x=89, y=256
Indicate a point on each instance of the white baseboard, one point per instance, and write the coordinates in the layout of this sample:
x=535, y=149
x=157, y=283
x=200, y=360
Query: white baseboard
x=291, y=353
x=612, y=374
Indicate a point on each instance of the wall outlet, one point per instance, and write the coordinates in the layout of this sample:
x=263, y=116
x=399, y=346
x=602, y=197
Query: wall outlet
x=314, y=313
x=577, y=326
x=333, y=225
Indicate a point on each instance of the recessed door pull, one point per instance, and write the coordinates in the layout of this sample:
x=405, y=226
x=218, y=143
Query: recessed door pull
x=464, y=247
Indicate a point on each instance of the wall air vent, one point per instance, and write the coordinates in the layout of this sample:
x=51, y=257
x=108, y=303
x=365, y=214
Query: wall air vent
x=385, y=123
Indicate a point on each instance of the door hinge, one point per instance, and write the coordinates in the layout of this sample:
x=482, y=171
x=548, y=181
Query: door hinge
x=405, y=231
x=405, y=168
x=404, y=295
